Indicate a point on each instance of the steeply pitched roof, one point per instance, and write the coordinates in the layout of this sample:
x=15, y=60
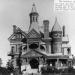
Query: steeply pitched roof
x=34, y=26
x=56, y=26
x=33, y=34
x=18, y=30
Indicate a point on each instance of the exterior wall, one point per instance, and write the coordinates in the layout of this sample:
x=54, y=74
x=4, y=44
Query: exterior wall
x=15, y=62
x=57, y=47
x=65, y=51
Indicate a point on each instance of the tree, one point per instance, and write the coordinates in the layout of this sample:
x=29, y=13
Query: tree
x=10, y=66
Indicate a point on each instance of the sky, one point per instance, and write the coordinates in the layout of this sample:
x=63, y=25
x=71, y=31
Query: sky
x=16, y=12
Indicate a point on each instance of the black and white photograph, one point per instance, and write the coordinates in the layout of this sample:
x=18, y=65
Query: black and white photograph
x=37, y=37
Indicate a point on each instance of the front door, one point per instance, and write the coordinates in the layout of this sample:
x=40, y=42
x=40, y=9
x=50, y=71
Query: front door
x=34, y=63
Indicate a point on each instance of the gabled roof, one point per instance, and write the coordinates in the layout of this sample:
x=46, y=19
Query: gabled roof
x=18, y=30
x=33, y=34
x=32, y=53
x=56, y=26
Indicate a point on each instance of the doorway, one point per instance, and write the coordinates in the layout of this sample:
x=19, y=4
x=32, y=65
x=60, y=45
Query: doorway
x=34, y=63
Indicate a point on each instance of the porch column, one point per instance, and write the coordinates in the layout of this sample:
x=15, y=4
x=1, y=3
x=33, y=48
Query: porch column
x=57, y=63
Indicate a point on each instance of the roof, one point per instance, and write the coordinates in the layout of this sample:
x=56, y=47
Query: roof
x=34, y=26
x=33, y=8
x=65, y=39
x=56, y=26
x=18, y=30
x=66, y=45
x=43, y=53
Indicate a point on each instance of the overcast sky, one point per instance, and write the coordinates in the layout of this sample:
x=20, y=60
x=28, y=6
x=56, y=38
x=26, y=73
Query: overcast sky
x=16, y=12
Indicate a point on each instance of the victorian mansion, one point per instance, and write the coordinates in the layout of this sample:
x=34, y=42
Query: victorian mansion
x=40, y=47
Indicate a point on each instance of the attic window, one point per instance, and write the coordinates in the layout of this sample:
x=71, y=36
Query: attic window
x=18, y=35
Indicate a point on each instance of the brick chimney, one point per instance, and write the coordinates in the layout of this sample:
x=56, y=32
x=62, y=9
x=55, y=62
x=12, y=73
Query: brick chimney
x=46, y=28
x=14, y=28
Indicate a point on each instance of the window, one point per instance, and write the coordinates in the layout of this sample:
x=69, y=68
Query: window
x=68, y=50
x=12, y=49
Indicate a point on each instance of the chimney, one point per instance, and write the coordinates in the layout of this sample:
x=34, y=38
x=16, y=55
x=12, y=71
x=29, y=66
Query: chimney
x=63, y=31
x=14, y=28
x=46, y=28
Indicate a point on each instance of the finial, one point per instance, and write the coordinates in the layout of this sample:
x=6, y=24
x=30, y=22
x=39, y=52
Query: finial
x=33, y=4
x=33, y=8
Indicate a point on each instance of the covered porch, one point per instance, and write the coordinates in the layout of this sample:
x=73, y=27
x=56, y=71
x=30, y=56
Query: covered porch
x=58, y=62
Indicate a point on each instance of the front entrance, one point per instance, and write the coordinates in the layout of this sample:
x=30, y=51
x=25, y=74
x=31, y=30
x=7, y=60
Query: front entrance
x=34, y=63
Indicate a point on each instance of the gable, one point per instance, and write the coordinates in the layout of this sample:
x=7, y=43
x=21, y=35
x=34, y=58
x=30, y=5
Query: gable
x=18, y=35
x=33, y=34
x=21, y=32
x=32, y=53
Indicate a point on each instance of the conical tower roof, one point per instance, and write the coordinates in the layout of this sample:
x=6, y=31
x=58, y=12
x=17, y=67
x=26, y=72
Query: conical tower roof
x=56, y=26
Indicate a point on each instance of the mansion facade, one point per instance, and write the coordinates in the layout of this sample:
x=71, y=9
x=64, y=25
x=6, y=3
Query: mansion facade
x=38, y=47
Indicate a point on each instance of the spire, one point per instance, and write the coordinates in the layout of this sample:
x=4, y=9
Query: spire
x=34, y=8
x=56, y=26
x=34, y=19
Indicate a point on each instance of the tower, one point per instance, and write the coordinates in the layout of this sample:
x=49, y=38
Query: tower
x=56, y=37
x=34, y=19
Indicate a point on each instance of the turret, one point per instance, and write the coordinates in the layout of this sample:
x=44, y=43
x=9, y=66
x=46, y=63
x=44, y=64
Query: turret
x=56, y=34
x=34, y=19
x=34, y=15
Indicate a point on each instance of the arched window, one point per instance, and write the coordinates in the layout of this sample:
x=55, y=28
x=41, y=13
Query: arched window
x=12, y=49
x=68, y=50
